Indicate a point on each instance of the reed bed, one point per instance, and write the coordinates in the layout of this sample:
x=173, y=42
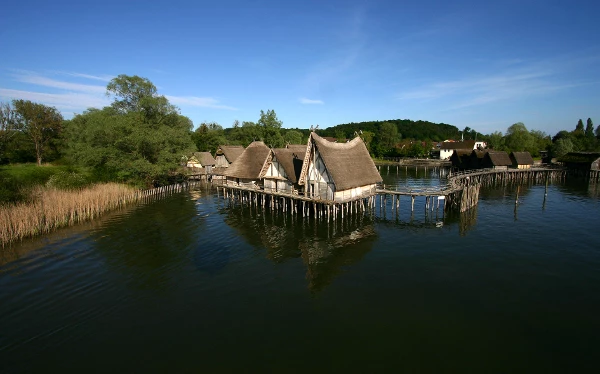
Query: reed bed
x=51, y=208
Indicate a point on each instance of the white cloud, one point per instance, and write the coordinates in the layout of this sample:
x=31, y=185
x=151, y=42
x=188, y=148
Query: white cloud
x=48, y=82
x=310, y=101
x=103, y=78
x=204, y=102
x=75, y=97
x=70, y=101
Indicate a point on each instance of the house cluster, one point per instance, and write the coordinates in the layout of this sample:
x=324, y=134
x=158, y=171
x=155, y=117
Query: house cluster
x=320, y=170
x=470, y=154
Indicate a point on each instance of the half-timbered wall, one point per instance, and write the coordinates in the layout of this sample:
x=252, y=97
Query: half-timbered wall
x=276, y=178
x=318, y=182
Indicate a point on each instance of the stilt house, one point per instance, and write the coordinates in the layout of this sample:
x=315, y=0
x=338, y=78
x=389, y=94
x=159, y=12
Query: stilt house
x=521, y=160
x=496, y=160
x=461, y=158
x=245, y=170
x=339, y=172
x=282, y=169
x=477, y=156
x=227, y=154
x=201, y=160
x=448, y=148
x=585, y=161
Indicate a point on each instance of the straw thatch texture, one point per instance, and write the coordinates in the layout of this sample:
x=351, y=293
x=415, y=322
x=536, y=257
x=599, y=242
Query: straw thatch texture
x=461, y=158
x=521, y=158
x=204, y=158
x=231, y=152
x=349, y=164
x=291, y=160
x=496, y=159
x=582, y=160
x=249, y=164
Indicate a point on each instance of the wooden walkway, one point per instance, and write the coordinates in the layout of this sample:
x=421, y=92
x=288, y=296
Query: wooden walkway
x=461, y=192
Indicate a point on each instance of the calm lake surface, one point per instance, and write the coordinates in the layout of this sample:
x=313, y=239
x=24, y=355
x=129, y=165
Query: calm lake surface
x=192, y=283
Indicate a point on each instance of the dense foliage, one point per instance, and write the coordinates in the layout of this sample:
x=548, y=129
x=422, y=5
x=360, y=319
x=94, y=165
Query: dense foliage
x=142, y=138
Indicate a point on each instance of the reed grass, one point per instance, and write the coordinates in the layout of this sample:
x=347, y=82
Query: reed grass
x=50, y=208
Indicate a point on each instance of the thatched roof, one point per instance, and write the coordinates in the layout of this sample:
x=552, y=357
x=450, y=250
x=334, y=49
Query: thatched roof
x=349, y=164
x=467, y=144
x=231, y=152
x=291, y=160
x=580, y=157
x=204, y=158
x=249, y=164
x=521, y=158
x=478, y=153
x=498, y=158
x=300, y=148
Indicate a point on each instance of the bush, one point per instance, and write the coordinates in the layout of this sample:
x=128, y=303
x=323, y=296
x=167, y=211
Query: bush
x=64, y=180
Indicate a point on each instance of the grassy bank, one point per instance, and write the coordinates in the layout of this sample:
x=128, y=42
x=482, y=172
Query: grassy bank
x=17, y=181
x=49, y=208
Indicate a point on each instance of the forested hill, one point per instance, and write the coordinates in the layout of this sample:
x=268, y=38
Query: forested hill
x=407, y=129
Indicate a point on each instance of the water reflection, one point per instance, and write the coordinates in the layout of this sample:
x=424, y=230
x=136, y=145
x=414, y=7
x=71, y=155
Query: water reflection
x=326, y=248
x=149, y=244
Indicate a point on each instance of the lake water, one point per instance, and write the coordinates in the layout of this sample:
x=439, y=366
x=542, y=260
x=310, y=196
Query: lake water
x=192, y=283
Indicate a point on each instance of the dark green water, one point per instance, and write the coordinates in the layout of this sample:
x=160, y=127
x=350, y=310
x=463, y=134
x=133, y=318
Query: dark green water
x=193, y=284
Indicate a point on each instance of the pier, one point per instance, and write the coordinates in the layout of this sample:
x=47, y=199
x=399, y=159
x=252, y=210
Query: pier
x=461, y=193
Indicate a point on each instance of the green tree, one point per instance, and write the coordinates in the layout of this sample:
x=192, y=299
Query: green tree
x=589, y=129
x=140, y=137
x=208, y=137
x=388, y=135
x=245, y=134
x=518, y=139
x=579, y=129
x=39, y=122
x=541, y=141
x=598, y=132
x=293, y=137
x=561, y=147
x=271, y=129
x=496, y=141
x=8, y=126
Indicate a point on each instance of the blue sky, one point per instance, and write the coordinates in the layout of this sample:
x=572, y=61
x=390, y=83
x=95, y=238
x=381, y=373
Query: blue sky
x=480, y=64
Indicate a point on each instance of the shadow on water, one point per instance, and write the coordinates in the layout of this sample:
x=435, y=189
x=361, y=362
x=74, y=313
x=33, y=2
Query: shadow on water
x=326, y=248
x=152, y=242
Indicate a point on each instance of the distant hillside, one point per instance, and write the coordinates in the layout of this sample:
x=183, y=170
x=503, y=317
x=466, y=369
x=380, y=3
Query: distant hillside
x=408, y=129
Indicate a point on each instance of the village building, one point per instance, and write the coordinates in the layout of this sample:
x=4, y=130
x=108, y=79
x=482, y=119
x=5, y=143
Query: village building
x=461, y=158
x=448, y=148
x=521, y=160
x=338, y=172
x=227, y=154
x=476, y=160
x=496, y=160
x=246, y=169
x=201, y=160
x=584, y=161
x=282, y=168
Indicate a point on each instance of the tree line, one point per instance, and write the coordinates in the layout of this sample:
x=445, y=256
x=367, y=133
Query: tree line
x=142, y=138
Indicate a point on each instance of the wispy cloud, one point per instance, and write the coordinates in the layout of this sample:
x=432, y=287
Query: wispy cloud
x=479, y=90
x=203, y=102
x=70, y=101
x=71, y=96
x=304, y=100
x=48, y=82
x=103, y=78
